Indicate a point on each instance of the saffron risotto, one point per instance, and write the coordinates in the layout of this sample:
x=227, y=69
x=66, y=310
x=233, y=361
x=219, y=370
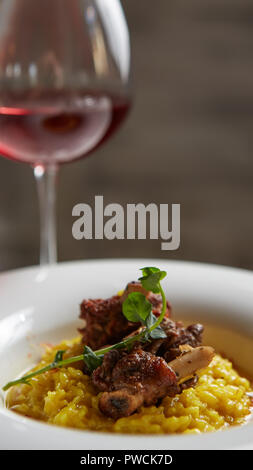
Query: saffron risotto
x=66, y=397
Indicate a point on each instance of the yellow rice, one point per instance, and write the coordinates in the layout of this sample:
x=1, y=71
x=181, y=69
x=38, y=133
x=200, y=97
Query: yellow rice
x=66, y=397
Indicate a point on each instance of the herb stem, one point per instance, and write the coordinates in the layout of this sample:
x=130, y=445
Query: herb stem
x=50, y=366
x=122, y=344
x=161, y=316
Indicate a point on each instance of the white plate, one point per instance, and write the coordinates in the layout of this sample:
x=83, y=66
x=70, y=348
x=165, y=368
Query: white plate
x=42, y=304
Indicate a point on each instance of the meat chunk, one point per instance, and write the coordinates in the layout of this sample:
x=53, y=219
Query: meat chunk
x=178, y=336
x=119, y=403
x=133, y=287
x=105, y=322
x=131, y=380
x=102, y=376
x=137, y=378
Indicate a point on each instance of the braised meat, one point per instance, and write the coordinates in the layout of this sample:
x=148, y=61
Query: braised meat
x=177, y=336
x=131, y=380
x=153, y=368
x=104, y=320
x=133, y=286
x=135, y=379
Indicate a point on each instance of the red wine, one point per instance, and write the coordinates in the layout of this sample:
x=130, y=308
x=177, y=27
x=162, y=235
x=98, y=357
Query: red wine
x=64, y=129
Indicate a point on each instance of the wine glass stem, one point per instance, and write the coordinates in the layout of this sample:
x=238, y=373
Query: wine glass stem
x=46, y=177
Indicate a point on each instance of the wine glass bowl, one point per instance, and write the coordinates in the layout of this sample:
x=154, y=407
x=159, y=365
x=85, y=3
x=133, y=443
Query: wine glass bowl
x=59, y=132
x=64, y=68
x=64, y=87
x=56, y=44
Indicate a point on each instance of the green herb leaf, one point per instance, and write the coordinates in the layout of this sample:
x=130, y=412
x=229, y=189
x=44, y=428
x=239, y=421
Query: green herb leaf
x=149, y=270
x=150, y=320
x=151, y=279
x=136, y=307
x=58, y=357
x=91, y=360
x=157, y=333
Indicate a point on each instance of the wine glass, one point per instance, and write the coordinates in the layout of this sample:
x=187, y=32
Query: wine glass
x=64, y=88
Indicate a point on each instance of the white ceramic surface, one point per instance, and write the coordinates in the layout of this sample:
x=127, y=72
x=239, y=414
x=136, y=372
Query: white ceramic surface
x=42, y=305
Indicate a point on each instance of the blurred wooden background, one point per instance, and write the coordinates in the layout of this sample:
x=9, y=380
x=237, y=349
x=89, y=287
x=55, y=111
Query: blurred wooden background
x=188, y=140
